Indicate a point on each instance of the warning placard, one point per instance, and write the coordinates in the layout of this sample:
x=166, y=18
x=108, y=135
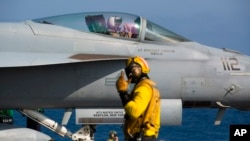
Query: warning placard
x=108, y=114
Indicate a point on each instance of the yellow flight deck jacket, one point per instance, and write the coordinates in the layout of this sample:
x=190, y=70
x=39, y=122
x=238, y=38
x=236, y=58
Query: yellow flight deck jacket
x=143, y=110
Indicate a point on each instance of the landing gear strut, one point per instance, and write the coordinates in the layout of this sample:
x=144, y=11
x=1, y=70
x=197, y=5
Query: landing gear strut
x=86, y=133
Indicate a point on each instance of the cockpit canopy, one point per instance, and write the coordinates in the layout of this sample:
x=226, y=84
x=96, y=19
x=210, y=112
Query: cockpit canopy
x=118, y=25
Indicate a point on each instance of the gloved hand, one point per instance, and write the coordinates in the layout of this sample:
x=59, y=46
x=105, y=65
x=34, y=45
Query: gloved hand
x=121, y=83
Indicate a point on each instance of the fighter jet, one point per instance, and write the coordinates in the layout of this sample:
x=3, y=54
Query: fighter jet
x=73, y=61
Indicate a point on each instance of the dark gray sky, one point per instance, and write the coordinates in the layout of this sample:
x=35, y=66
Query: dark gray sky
x=217, y=23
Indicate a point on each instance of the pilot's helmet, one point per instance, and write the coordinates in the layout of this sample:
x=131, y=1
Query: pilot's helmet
x=138, y=60
x=113, y=23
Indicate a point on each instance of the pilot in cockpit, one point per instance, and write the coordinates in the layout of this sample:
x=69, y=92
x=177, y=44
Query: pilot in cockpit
x=127, y=31
x=113, y=25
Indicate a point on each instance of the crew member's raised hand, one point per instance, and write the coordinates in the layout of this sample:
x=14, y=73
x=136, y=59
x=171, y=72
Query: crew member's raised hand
x=121, y=83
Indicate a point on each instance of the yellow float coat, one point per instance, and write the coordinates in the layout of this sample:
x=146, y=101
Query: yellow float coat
x=143, y=110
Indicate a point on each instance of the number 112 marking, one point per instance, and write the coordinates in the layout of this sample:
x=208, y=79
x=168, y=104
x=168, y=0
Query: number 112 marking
x=230, y=64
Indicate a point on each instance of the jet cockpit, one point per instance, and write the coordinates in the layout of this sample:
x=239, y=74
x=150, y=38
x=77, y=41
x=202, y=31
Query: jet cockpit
x=118, y=25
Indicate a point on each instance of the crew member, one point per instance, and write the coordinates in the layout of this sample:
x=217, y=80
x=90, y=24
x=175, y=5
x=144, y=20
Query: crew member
x=142, y=105
x=113, y=136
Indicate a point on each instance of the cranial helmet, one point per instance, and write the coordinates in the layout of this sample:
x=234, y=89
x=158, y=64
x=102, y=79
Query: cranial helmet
x=138, y=60
x=113, y=132
x=114, y=22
